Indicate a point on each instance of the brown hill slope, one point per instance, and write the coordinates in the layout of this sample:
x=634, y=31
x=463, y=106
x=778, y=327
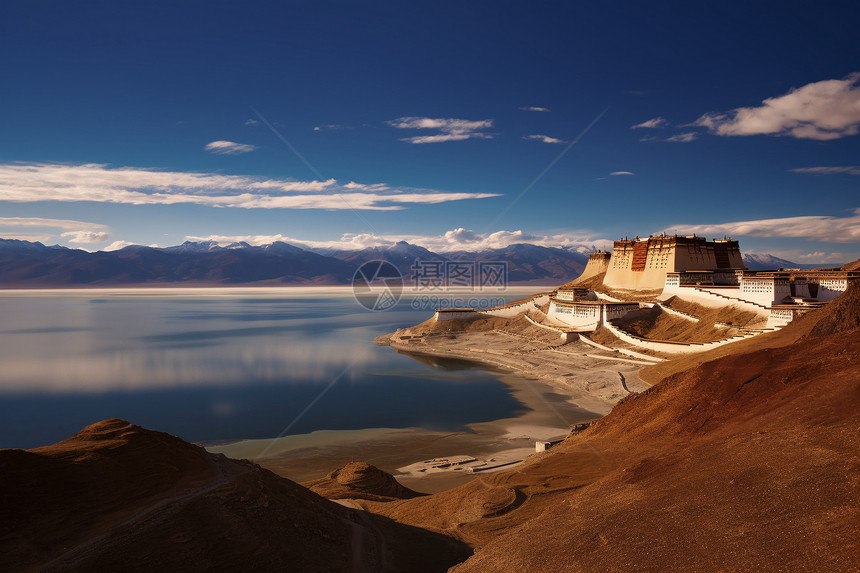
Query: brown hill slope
x=358, y=480
x=743, y=462
x=119, y=497
x=853, y=266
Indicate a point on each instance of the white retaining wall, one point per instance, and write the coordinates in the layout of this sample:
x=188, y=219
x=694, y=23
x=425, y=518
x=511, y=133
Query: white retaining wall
x=678, y=313
x=668, y=347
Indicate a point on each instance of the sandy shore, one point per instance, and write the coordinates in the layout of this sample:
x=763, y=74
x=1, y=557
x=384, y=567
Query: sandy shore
x=559, y=386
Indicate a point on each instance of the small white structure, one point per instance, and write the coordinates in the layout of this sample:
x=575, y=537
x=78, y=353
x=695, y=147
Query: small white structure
x=443, y=314
x=588, y=315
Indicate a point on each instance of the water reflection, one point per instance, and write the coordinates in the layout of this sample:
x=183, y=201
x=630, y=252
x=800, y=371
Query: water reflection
x=187, y=365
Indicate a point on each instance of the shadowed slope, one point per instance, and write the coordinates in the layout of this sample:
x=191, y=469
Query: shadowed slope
x=119, y=497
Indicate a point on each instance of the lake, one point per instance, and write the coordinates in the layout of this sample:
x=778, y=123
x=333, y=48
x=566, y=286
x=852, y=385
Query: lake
x=224, y=364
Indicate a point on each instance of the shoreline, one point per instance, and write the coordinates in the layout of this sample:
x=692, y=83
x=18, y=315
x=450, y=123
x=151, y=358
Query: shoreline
x=558, y=387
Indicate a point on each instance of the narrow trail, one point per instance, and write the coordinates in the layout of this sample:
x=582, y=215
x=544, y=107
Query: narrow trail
x=624, y=382
x=369, y=549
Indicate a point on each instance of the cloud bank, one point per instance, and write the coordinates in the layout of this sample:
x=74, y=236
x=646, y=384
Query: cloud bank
x=453, y=240
x=449, y=129
x=80, y=232
x=814, y=227
x=824, y=110
x=30, y=182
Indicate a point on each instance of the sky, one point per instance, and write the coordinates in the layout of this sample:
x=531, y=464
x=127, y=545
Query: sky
x=453, y=125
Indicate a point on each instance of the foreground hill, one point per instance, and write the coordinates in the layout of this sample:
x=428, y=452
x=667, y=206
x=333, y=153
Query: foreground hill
x=117, y=497
x=746, y=461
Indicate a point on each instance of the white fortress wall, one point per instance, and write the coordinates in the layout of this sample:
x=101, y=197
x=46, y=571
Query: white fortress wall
x=512, y=310
x=800, y=288
x=597, y=263
x=619, y=310
x=765, y=291
x=579, y=316
x=830, y=288
x=779, y=318
x=623, y=278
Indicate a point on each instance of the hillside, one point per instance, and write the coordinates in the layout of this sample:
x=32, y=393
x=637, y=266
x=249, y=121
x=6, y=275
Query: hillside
x=117, y=497
x=741, y=460
x=358, y=480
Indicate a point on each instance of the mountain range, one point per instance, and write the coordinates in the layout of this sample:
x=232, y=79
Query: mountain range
x=25, y=264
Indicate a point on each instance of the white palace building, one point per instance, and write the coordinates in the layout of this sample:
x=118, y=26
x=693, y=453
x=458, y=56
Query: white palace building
x=709, y=273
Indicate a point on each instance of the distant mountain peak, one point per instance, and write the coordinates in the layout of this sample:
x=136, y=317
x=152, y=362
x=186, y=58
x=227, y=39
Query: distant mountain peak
x=193, y=247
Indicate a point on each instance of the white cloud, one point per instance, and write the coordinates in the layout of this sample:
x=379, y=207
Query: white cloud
x=251, y=122
x=332, y=126
x=117, y=245
x=823, y=110
x=622, y=173
x=450, y=129
x=814, y=227
x=535, y=108
x=86, y=237
x=544, y=138
x=823, y=257
x=453, y=240
x=30, y=182
x=653, y=123
x=32, y=237
x=75, y=231
x=445, y=137
x=683, y=137
x=849, y=170
x=228, y=147
x=43, y=222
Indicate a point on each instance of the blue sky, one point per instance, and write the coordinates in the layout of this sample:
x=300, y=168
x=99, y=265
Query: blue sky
x=448, y=124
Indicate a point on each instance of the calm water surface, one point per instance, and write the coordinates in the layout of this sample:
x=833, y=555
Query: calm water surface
x=212, y=365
